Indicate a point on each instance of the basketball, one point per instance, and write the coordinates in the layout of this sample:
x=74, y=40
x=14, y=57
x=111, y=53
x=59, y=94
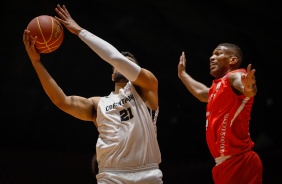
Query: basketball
x=49, y=32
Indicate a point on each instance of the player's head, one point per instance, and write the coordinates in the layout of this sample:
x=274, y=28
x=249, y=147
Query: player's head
x=226, y=57
x=118, y=77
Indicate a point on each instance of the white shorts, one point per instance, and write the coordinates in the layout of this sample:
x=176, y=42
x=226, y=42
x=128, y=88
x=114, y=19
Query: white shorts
x=144, y=176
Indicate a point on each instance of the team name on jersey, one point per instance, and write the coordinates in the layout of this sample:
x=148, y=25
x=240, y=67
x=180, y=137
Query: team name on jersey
x=223, y=134
x=121, y=102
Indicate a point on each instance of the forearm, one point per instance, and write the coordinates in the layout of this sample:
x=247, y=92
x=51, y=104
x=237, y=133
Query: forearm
x=111, y=55
x=53, y=91
x=197, y=89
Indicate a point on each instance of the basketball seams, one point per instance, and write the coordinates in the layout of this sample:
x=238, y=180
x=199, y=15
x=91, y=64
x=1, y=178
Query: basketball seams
x=43, y=36
x=49, y=31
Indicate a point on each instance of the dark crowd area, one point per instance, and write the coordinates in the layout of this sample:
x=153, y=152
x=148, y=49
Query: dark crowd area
x=40, y=144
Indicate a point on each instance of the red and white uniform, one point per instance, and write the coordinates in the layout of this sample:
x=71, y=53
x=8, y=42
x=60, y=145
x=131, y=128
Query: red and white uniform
x=228, y=137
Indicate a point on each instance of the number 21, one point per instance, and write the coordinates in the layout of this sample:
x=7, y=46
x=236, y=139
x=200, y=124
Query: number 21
x=125, y=114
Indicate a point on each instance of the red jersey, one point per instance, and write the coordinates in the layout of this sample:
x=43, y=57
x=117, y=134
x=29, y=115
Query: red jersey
x=227, y=119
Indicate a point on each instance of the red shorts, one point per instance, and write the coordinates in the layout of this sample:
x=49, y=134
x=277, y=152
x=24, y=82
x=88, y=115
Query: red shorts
x=245, y=168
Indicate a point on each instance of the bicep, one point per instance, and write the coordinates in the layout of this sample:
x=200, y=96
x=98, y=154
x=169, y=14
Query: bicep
x=80, y=107
x=204, y=95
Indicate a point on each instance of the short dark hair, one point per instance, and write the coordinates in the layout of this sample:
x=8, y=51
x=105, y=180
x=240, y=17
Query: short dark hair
x=234, y=49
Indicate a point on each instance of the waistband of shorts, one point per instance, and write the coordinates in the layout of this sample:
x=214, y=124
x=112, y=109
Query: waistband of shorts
x=221, y=159
x=130, y=169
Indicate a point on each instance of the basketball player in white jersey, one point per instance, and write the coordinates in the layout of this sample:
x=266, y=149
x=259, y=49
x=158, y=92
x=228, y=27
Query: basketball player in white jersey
x=127, y=148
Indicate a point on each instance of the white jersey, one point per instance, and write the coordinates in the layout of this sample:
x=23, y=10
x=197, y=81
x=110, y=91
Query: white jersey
x=127, y=132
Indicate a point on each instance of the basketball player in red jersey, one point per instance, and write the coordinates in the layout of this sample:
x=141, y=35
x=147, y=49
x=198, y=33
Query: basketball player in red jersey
x=229, y=103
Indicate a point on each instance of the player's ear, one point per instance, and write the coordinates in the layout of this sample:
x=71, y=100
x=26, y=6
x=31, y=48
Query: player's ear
x=233, y=60
x=112, y=76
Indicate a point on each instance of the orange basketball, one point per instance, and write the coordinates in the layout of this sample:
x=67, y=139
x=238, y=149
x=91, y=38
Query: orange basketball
x=49, y=32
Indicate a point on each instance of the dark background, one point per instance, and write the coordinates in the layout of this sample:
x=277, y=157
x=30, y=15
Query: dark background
x=41, y=144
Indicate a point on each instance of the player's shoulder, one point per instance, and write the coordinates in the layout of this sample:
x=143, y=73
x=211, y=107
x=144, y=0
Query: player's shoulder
x=237, y=72
x=95, y=100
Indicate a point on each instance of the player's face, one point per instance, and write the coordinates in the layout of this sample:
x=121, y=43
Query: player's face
x=219, y=62
x=118, y=77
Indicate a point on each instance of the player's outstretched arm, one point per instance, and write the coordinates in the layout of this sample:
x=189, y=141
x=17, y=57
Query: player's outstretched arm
x=245, y=83
x=79, y=107
x=199, y=90
x=249, y=81
x=104, y=49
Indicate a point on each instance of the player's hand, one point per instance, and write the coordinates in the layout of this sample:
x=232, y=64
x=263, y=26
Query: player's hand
x=66, y=19
x=182, y=64
x=29, y=43
x=249, y=79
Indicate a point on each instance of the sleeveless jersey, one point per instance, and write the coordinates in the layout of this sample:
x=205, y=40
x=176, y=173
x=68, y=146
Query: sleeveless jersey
x=227, y=119
x=127, y=131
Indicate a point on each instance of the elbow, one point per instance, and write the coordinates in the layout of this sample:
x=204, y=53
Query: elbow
x=202, y=100
x=60, y=103
x=202, y=97
x=115, y=57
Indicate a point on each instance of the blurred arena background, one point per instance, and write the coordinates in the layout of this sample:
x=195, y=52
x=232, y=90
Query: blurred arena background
x=41, y=144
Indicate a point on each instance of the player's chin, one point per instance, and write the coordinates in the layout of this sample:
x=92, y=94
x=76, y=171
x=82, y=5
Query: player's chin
x=213, y=72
